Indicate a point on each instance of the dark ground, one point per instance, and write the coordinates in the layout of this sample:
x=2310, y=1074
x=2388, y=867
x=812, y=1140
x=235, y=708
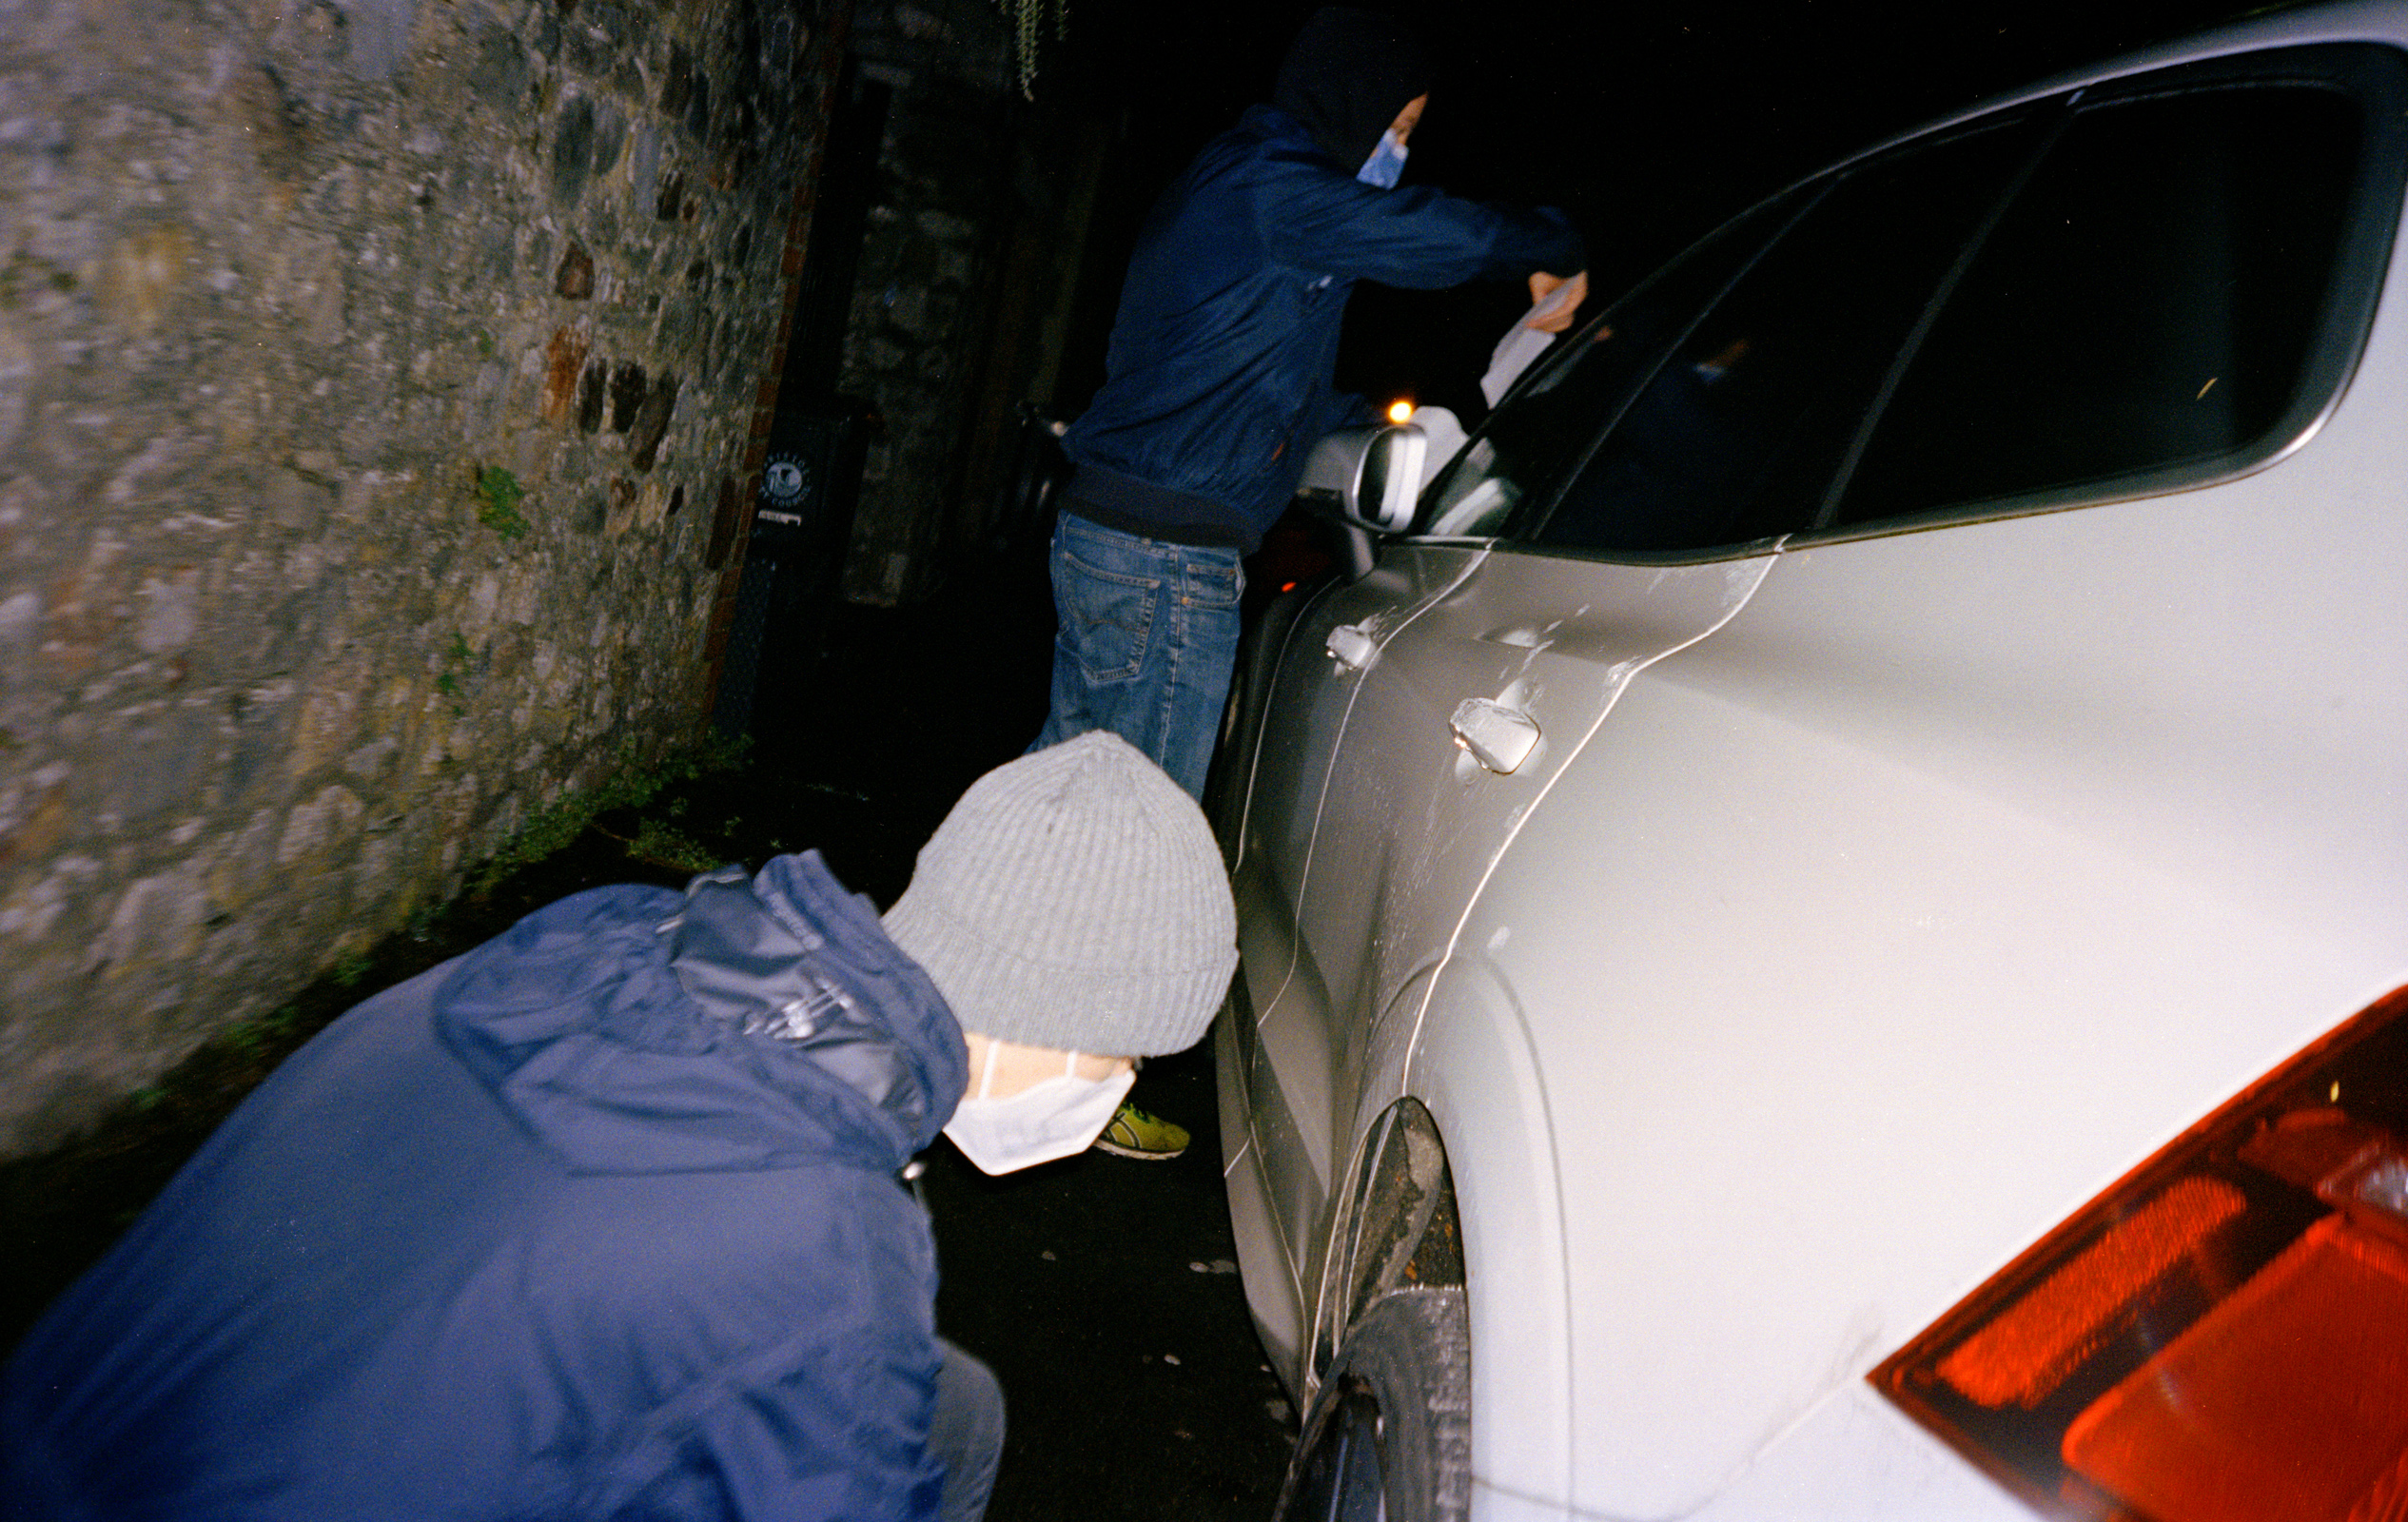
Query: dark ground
x=1103, y=1291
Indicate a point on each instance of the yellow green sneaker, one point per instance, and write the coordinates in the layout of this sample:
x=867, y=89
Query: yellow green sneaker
x=1135, y=1134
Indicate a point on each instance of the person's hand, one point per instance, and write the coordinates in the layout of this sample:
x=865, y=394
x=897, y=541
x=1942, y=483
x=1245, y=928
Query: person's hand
x=1575, y=290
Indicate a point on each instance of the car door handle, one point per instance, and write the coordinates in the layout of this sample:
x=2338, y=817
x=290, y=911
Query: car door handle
x=1352, y=647
x=1498, y=737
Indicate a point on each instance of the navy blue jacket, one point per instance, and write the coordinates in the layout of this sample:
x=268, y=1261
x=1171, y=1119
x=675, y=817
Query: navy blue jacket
x=1219, y=375
x=598, y=1220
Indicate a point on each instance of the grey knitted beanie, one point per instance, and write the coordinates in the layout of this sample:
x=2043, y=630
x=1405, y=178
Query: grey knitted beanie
x=1074, y=899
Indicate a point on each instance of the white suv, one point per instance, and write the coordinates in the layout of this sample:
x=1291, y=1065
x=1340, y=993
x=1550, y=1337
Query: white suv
x=1820, y=934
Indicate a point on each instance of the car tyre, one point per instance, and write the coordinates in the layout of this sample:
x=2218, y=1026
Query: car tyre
x=1389, y=1437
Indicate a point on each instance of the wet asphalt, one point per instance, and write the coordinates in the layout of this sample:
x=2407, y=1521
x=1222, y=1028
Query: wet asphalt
x=1105, y=1294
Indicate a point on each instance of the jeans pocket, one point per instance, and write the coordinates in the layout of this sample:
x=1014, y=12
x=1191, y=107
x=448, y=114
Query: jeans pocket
x=1214, y=586
x=1107, y=618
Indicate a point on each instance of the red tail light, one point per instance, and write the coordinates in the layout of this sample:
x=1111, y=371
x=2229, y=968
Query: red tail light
x=2222, y=1336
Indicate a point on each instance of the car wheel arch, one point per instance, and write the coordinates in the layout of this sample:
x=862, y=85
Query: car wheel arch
x=1457, y=1043
x=1386, y=1430
x=1400, y=1227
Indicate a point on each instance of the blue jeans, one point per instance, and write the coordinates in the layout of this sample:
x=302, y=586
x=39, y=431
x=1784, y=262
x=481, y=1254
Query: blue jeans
x=1147, y=635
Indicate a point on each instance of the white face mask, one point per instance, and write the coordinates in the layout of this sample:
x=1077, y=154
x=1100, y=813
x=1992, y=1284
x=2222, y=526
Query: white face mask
x=1051, y=1118
x=1386, y=164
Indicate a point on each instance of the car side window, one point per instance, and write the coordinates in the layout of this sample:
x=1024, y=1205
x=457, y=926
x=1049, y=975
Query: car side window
x=1544, y=431
x=2150, y=300
x=1740, y=432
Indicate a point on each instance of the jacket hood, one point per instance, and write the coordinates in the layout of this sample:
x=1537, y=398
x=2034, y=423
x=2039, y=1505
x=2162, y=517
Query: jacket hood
x=1346, y=76
x=746, y=1025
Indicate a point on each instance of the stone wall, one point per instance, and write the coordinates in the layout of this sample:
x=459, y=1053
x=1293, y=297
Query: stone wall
x=373, y=376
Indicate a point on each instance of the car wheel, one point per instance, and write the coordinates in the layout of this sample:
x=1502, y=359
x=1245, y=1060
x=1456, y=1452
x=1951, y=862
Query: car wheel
x=1389, y=1437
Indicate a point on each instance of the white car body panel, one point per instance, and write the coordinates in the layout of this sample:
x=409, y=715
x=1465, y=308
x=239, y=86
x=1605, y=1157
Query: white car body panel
x=1856, y=1456
x=1494, y=1503
x=1491, y=1102
x=1291, y=1062
x=1853, y=1457
x=1853, y=927
x=2000, y=826
x=1418, y=816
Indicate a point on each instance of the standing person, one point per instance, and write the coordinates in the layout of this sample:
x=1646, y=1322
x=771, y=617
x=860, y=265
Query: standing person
x=1219, y=382
x=602, y=1220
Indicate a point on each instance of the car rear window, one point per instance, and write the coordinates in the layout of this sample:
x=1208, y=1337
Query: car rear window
x=2150, y=300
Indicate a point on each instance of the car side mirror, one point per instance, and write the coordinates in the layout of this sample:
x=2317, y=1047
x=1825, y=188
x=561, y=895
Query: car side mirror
x=1363, y=482
x=1372, y=476
x=1390, y=480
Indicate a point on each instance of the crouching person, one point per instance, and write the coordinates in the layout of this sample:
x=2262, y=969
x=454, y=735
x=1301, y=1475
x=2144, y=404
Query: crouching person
x=602, y=1218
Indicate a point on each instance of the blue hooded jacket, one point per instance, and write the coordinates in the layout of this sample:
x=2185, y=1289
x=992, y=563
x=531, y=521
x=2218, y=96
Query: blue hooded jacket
x=1219, y=374
x=597, y=1220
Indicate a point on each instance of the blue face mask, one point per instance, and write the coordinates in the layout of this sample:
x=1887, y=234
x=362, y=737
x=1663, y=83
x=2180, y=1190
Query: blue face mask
x=1385, y=164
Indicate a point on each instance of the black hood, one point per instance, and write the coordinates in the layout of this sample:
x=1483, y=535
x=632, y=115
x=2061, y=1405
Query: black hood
x=1347, y=75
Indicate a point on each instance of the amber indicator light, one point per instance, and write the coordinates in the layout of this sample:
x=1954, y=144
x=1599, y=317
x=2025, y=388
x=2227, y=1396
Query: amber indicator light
x=2223, y=1335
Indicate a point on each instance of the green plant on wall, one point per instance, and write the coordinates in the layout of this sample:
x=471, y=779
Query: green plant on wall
x=630, y=784
x=665, y=845
x=499, y=495
x=448, y=681
x=1028, y=18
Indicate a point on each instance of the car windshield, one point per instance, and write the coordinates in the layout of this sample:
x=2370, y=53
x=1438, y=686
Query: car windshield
x=1546, y=430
